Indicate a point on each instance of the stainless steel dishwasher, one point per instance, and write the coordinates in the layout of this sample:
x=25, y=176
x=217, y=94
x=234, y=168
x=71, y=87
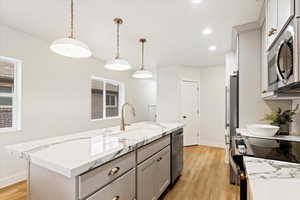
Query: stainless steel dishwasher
x=177, y=154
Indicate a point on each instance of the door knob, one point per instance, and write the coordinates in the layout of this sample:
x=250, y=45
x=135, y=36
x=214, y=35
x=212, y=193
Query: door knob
x=184, y=117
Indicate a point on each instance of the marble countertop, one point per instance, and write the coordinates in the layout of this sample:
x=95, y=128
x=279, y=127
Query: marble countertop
x=272, y=180
x=247, y=133
x=71, y=155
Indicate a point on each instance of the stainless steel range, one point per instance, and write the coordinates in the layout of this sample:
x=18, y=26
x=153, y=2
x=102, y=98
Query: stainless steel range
x=273, y=149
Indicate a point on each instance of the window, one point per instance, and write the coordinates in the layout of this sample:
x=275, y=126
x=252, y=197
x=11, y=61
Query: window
x=107, y=96
x=10, y=94
x=111, y=100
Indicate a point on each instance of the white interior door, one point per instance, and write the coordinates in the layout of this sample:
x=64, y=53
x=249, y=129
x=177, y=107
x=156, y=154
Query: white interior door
x=190, y=111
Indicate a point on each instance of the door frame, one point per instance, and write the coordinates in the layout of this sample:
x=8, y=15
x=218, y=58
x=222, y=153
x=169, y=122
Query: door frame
x=198, y=104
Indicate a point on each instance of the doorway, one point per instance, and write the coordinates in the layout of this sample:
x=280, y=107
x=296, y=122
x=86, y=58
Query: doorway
x=190, y=111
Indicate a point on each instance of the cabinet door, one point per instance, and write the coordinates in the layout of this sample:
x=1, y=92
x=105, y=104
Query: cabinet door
x=272, y=20
x=146, y=179
x=163, y=172
x=285, y=12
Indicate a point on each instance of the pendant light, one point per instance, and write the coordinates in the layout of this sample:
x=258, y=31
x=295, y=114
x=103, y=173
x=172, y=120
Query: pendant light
x=70, y=47
x=118, y=64
x=142, y=72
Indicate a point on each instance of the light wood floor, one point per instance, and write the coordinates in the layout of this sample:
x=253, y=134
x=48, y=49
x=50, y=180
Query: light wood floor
x=204, y=177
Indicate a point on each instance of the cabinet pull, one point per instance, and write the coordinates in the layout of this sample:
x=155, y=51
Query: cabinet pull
x=113, y=171
x=272, y=32
x=159, y=159
x=116, y=198
x=243, y=176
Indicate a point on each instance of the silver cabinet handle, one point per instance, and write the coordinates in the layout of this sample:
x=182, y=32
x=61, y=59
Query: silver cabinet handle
x=272, y=32
x=227, y=139
x=116, y=198
x=243, y=176
x=113, y=171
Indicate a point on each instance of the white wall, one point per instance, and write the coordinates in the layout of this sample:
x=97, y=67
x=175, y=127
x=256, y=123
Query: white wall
x=212, y=99
x=252, y=108
x=56, y=95
x=169, y=90
x=212, y=106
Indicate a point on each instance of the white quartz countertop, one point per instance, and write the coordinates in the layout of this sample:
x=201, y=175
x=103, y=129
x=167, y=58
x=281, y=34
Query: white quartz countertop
x=71, y=155
x=272, y=180
x=247, y=133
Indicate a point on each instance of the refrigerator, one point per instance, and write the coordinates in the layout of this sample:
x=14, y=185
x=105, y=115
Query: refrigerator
x=232, y=120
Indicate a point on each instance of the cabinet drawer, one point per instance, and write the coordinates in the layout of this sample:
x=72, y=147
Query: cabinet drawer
x=99, y=177
x=121, y=189
x=152, y=148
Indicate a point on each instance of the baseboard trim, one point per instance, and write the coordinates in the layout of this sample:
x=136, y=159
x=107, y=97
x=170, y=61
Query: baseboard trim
x=18, y=177
x=219, y=144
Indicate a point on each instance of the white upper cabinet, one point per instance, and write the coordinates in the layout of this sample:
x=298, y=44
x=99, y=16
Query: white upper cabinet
x=272, y=20
x=285, y=12
x=278, y=14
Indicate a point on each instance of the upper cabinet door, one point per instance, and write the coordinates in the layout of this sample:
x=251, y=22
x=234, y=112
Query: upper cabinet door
x=286, y=11
x=278, y=14
x=272, y=20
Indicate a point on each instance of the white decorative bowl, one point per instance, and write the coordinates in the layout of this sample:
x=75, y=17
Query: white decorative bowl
x=263, y=130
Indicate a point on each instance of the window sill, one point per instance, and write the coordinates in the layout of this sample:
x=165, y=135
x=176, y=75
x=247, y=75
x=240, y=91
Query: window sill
x=109, y=118
x=8, y=130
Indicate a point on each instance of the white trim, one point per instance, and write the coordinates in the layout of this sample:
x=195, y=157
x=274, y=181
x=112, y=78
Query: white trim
x=212, y=143
x=116, y=101
x=16, y=95
x=117, y=117
x=106, y=80
x=7, y=95
x=18, y=177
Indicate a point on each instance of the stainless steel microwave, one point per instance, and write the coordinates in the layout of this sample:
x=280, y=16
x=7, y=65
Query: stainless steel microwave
x=283, y=59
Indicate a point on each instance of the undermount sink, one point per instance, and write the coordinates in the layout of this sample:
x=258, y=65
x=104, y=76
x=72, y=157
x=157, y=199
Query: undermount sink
x=263, y=130
x=136, y=132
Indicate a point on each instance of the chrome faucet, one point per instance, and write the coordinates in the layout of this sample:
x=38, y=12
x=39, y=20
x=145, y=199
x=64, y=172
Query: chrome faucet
x=122, y=126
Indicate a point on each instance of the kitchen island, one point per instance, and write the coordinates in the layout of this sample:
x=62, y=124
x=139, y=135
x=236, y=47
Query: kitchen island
x=272, y=180
x=106, y=163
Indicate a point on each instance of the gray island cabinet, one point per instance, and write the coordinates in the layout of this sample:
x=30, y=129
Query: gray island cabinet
x=142, y=174
x=104, y=164
x=153, y=174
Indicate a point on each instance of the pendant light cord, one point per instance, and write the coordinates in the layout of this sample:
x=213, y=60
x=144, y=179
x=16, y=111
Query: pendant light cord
x=143, y=40
x=72, y=20
x=142, y=56
x=118, y=40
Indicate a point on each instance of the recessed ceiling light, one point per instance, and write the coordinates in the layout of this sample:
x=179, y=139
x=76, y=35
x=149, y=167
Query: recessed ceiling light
x=197, y=1
x=207, y=31
x=212, y=48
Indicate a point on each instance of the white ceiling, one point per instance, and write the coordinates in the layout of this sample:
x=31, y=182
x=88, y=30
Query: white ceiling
x=173, y=28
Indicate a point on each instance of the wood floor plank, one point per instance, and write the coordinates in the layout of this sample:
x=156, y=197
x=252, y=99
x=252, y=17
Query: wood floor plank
x=14, y=192
x=205, y=177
